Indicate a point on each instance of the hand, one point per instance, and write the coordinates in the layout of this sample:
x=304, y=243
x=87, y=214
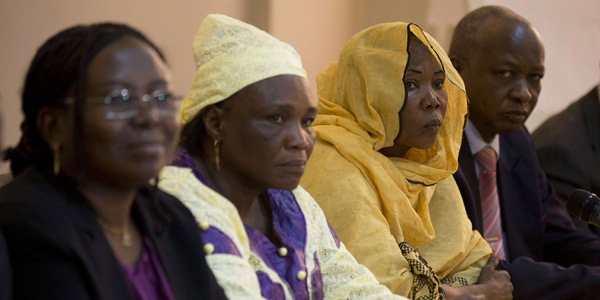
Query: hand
x=492, y=284
x=495, y=284
x=472, y=297
x=470, y=292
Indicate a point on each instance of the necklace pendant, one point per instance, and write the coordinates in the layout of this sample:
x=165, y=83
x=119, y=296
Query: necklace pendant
x=126, y=239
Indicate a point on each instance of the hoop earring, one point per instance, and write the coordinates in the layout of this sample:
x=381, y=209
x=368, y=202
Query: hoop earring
x=217, y=144
x=56, y=158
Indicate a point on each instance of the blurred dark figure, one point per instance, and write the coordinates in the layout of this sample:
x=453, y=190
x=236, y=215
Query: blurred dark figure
x=5, y=290
x=568, y=146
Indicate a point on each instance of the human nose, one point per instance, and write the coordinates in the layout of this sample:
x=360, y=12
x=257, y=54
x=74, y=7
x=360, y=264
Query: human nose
x=298, y=137
x=430, y=100
x=147, y=113
x=521, y=91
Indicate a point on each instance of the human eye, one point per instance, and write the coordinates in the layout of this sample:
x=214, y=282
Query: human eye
x=163, y=97
x=307, y=122
x=536, y=77
x=410, y=85
x=118, y=97
x=277, y=119
x=438, y=84
x=506, y=74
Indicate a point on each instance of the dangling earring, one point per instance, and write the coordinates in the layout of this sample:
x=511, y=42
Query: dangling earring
x=56, y=158
x=217, y=144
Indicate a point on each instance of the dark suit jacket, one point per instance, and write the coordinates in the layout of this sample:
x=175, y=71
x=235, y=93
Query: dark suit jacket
x=568, y=146
x=58, y=250
x=5, y=281
x=536, y=226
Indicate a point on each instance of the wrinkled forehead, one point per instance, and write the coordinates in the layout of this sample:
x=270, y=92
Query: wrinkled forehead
x=281, y=90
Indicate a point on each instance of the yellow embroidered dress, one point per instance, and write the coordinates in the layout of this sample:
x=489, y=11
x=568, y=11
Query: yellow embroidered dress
x=403, y=218
x=311, y=263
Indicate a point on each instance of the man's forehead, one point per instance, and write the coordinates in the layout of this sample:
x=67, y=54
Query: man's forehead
x=511, y=39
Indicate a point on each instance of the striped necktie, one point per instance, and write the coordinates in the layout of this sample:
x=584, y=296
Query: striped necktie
x=490, y=205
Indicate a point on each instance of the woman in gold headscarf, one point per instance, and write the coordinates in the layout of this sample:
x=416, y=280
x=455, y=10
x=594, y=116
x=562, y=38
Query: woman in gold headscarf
x=389, y=129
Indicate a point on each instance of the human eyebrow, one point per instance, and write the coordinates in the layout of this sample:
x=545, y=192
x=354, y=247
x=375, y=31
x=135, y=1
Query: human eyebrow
x=129, y=84
x=541, y=70
x=414, y=71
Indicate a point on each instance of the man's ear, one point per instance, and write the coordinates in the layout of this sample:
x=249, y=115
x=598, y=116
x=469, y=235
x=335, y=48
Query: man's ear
x=457, y=63
x=214, y=121
x=51, y=125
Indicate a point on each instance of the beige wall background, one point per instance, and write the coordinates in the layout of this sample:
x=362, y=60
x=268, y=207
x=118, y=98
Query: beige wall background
x=318, y=29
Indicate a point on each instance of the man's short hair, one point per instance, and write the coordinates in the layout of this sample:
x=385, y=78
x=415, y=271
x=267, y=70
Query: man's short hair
x=478, y=24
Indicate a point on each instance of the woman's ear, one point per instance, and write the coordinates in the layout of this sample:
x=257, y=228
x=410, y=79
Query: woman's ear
x=213, y=118
x=51, y=125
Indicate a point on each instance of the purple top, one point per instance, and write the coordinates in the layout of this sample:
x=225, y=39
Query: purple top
x=290, y=226
x=147, y=280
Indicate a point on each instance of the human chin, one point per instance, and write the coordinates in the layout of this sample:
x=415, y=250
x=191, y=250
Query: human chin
x=508, y=127
x=146, y=167
x=285, y=181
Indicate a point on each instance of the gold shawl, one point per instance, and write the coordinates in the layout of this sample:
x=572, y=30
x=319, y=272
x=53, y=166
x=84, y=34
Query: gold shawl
x=374, y=202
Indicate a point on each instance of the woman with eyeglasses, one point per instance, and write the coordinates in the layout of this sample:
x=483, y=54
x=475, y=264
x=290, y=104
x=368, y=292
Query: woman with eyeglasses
x=100, y=122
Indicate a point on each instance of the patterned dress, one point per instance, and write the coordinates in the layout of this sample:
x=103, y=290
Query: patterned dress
x=310, y=263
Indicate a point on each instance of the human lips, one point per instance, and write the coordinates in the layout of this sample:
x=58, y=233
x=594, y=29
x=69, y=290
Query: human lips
x=433, y=125
x=516, y=116
x=146, y=147
x=294, y=166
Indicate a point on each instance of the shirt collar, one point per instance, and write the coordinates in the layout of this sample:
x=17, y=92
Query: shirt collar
x=477, y=143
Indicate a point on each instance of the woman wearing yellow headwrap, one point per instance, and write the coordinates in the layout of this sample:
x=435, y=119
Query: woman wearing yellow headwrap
x=243, y=150
x=389, y=129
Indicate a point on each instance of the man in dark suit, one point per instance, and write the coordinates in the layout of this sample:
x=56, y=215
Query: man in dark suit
x=572, y=138
x=500, y=56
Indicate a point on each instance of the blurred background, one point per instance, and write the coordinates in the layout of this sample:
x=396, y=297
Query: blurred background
x=318, y=29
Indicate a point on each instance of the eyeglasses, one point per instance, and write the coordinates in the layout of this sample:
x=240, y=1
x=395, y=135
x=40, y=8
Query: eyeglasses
x=121, y=105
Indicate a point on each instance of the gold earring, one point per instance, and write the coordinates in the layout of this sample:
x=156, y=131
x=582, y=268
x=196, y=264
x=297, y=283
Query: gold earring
x=56, y=158
x=217, y=144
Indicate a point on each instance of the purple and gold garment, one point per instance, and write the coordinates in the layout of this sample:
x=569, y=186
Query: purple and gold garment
x=310, y=262
x=288, y=260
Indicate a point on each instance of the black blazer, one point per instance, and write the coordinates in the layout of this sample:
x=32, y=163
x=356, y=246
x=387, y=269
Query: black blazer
x=5, y=281
x=572, y=138
x=58, y=251
x=536, y=226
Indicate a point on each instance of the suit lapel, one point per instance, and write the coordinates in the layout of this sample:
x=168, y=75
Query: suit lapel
x=519, y=199
x=104, y=270
x=156, y=231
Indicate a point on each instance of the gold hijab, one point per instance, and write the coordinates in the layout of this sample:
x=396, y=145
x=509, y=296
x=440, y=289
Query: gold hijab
x=359, y=100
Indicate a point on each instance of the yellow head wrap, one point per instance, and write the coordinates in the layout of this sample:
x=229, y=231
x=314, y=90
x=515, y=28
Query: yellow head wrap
x=359, y=100
x=231, y=55
x=364, y=91
x=375, y=202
